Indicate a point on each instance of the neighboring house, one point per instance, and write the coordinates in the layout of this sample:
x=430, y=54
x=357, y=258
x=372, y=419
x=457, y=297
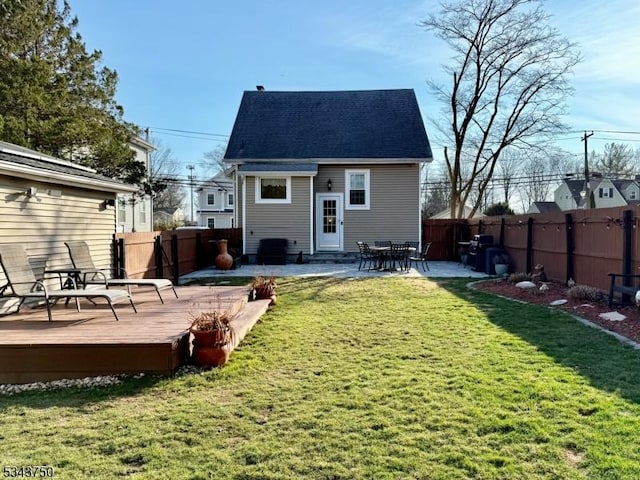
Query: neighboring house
x=447, y=214
x=327, y=169
x=605, y=193
x=543, y=207
x=168, y=218
x=216, y=199
x=135, y=211
x=47, y=201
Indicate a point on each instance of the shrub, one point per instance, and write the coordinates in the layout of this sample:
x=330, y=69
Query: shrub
x=518, y=277
x=584, y=293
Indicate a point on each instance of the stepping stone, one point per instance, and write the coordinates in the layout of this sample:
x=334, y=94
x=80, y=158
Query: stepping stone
x=612, y=316
x=555, y=303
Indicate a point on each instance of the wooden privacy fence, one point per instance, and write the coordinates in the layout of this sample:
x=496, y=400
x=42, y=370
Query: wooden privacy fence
x=170, y=253
x=585, y=245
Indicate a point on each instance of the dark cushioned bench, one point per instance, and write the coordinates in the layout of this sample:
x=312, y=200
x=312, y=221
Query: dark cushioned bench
x=272, y=251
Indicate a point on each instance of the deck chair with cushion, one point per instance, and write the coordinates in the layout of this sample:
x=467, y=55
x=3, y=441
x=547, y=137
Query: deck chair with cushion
x=90, y=275
x=22, y=284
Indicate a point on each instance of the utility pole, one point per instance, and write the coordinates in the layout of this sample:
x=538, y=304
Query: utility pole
x=191, y=167
x=587, y=186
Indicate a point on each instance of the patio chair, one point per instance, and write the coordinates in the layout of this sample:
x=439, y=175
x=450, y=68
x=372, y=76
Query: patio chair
x=90, y=275
x=366, y=255
x=22, y=284
x=421, y=258
x=398, y=256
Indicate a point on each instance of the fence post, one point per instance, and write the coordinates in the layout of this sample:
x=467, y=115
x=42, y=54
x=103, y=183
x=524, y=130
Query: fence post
x=568, y=220
x=176, y=260
x=627, y=247
x=529, y=243
x=122, y=261
x=115, y=260
x=502, y=232
x=157, y=252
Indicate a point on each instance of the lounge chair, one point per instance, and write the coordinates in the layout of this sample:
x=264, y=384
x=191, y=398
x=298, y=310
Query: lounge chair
x=90, y=275
x=22, y=284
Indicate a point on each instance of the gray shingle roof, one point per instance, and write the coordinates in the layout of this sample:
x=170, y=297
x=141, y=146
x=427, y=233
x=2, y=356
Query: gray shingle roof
x=46, y=163
x=343, y=124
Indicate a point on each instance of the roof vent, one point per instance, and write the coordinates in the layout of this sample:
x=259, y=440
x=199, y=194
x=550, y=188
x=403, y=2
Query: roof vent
x=260, y=88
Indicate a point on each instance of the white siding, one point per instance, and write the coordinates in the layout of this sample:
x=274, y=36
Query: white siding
x=57, y=213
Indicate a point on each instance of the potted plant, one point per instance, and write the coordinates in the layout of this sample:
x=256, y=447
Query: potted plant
x=263, y=287
x=212, y=338
x=501, y=263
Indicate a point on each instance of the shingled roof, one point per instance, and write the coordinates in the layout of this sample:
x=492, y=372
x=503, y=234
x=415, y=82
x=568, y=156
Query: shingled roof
x=20, y=161
x=375, y=124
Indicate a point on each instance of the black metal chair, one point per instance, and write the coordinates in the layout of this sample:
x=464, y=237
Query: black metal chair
x=420, y=259
x=366, y=255
x=398, y=256
x=412, y=249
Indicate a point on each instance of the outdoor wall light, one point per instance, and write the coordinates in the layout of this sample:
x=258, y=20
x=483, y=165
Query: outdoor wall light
x=109, y=202
x=329, y=184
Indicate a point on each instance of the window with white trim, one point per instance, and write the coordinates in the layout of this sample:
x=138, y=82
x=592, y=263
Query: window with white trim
x=143, y=211
x=211, y=222
x=122, y=210
x=358, y=189
x=273, y=189
x=230, y=199
x=605, y=192
x=211, y=198
x=633, y=195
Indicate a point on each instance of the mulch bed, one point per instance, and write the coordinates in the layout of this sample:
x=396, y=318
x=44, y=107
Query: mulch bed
x=629, y=327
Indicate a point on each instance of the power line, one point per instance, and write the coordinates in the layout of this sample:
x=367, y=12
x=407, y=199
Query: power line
x=189, y=136
x=191, y=132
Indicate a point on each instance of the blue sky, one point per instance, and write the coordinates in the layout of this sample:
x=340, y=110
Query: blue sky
x=184, y=65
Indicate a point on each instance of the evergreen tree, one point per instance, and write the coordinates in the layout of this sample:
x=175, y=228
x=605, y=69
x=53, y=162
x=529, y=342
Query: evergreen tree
x=54, y=96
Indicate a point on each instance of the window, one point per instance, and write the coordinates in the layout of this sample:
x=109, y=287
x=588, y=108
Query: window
x=211, y=222
x=605, y=192
x=143, y=211
x=273, y=189
x=358, y=190
x=122, y=210
x=230, y=199
x=211, y=198
x=633, y=195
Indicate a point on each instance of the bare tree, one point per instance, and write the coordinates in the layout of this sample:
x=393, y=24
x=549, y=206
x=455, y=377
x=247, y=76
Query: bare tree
x=618, y=161
x=509, y=73
x=163, y=177
x=511, y=162
x=215, y=160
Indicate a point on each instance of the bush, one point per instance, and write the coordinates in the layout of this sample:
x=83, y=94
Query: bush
x=519, y=277
x=584, y=293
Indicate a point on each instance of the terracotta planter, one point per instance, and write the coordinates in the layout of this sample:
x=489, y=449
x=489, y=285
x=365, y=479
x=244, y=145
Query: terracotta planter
x=223, y=261
x=210, y=348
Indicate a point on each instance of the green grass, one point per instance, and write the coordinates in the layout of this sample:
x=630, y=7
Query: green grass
x=374, y=378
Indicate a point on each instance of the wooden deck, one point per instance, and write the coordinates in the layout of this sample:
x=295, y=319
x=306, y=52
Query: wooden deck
x=91, y=342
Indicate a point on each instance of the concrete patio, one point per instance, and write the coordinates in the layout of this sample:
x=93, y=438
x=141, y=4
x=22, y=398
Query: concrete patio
x=437, y=269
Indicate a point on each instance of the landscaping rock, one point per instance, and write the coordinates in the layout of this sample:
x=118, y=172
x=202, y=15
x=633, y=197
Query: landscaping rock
x=612, y=316
x=526, y=285
x=555, y=303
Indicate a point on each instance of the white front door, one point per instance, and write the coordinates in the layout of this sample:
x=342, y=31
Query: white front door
x=329, y=222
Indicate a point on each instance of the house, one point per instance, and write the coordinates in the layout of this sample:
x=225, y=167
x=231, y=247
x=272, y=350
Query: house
x=543, y=207
x=604, y=192
x=168, y=218
x=216, y=202
x=446, y=213
x=327, y=169
x=134, y=210
x=47, y=201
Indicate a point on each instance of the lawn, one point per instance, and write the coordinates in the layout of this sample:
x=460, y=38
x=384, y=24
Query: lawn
x=366, y=379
